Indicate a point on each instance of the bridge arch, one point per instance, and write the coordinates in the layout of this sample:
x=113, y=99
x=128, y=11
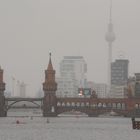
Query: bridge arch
x=73, y=110
x=137, y=106
x=9, y=106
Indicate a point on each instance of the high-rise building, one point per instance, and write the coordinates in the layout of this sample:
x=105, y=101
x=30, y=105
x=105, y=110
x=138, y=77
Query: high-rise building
x=22, y=89
x=119, y=77
x=74, y=67
x=133, y=86
x=137, y=85
x=66, y=87
x=119, y=72
x=72, y=75
x=40, y=93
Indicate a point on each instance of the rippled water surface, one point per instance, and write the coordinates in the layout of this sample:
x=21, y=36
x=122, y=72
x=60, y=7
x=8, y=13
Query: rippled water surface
x=67, y=128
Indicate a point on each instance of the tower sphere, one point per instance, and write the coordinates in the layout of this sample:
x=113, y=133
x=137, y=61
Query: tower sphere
x=110, y=35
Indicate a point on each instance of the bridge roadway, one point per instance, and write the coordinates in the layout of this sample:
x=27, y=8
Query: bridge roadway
x=97, y=106
x=90, y=106
x=18, y=99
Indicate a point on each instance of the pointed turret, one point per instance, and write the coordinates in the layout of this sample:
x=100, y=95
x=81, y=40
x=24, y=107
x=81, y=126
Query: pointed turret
x=49, y=83
x=50, y=67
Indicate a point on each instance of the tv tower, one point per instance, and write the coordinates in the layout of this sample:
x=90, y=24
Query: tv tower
x=110, y=38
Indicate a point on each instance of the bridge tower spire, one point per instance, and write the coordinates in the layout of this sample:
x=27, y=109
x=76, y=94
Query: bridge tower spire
x=49, y=88
x=2, y=98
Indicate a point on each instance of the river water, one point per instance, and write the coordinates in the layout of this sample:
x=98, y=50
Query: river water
x=67, y=128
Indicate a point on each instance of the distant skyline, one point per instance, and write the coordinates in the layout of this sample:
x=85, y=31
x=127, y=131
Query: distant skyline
x=30, y=29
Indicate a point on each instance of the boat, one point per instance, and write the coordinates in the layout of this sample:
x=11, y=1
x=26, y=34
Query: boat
x=135, y=124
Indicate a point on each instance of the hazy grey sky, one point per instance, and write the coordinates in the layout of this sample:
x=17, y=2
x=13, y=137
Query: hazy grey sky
x=29, y=29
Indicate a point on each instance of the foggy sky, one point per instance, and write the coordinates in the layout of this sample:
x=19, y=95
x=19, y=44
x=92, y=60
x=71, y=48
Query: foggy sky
x=30, y=29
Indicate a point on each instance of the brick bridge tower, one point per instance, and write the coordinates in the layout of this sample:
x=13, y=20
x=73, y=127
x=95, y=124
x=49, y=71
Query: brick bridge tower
x=49, y=88
x=2, y=98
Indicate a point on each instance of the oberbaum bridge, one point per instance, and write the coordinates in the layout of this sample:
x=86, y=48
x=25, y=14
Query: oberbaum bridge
x=52, y=106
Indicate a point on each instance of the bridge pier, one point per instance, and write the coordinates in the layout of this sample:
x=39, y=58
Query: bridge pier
x=49, y=109
x=3, y=112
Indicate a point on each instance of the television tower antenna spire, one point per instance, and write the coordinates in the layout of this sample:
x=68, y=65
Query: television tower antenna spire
x=110, y=38
x=110, y=18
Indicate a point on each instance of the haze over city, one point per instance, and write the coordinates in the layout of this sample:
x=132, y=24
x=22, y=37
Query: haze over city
x=30, y=29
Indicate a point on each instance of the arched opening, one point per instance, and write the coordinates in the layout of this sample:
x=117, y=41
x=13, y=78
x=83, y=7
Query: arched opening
x=58, y=104
x=67, y=104
x=77, y=104
x=114, y=106
x=136, y=106
x=73, y=104
x=104, y=105
x=63, y=104
x=24, y=108
x=123, y=106
x=73, y=113
x=82, y=104
x=93, y=105
x=100, y=105
x=119, y=106
x=87, y=104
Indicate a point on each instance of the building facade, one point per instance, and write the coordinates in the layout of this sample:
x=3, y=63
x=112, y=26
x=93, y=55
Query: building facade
x=119, y=77
x=101, y=89
x=72, y=76
x=119, y=72
x=22, y=89
x=133, y=86
x=67, y=87
x=137, y=85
